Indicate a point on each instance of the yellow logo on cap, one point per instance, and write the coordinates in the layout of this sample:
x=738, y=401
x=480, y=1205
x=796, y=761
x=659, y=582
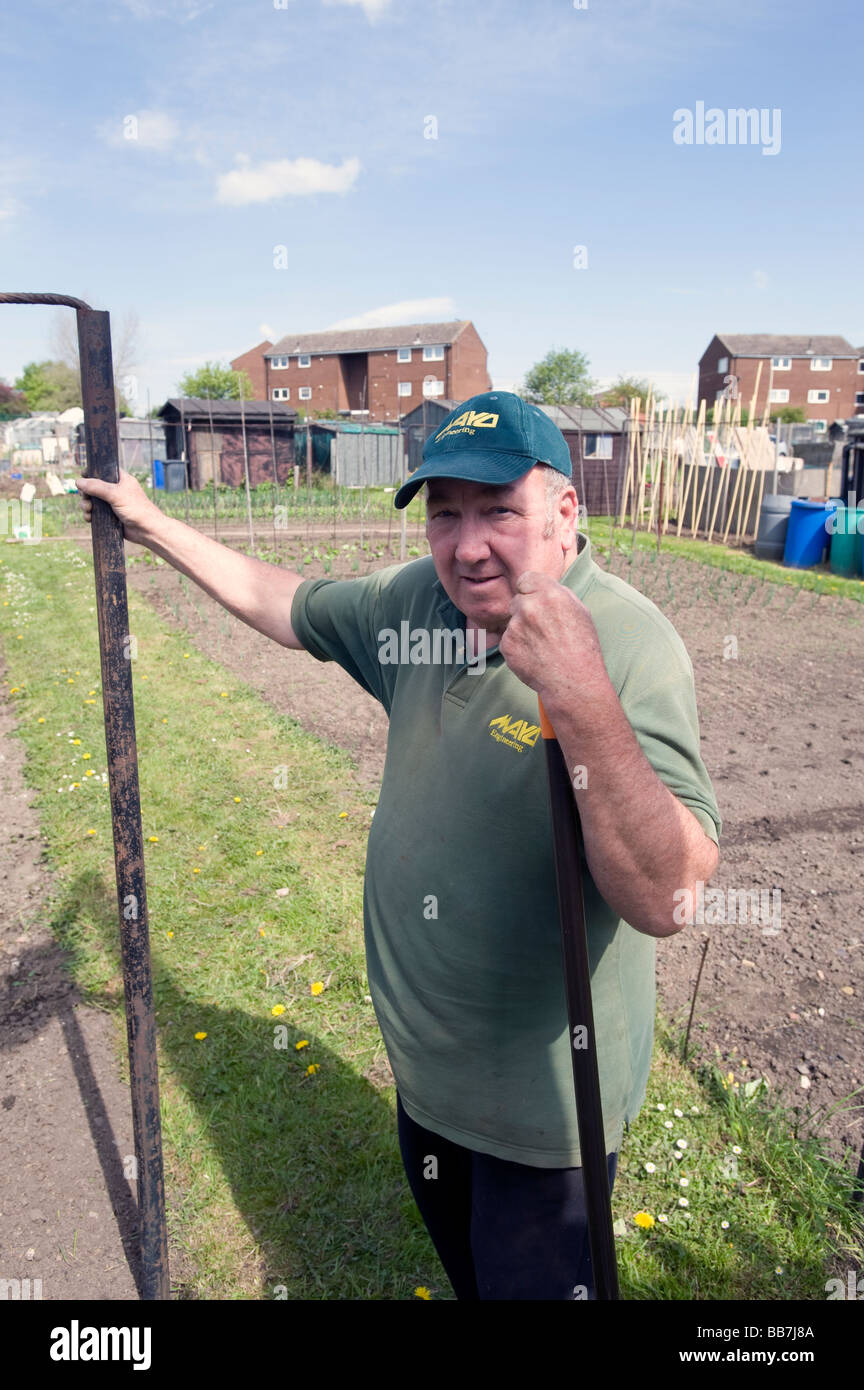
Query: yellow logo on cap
x=468, y=421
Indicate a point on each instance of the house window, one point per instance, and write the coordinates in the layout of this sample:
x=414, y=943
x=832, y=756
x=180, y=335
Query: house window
x=779, y=396
x=819, y=426
x=723, y=364
x=305, y=393
x=304, y=360
x=403, y=354
x=279, y=362
x=433, y=386
x=404, y=388
x=433, y=354
x=781, y=364
x=818, y=397
x=281, y=393
x=597, y=446
x=859, y=397
x=820, y=364
x=861, y=365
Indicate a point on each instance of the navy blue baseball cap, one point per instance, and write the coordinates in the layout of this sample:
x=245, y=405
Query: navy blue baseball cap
x=493, y=438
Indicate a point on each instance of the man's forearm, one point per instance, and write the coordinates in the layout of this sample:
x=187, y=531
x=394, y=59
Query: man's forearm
x=257, y=592
x=641, y=843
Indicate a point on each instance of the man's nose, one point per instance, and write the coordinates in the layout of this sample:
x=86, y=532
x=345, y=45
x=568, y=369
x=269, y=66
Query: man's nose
x=472, y=544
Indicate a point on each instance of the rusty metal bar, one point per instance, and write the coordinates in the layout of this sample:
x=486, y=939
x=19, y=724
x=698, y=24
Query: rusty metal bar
x=109, y=564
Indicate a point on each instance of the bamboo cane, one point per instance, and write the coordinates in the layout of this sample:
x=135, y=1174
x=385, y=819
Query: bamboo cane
x=625, y=491
x=718, y=413
x=700, y=425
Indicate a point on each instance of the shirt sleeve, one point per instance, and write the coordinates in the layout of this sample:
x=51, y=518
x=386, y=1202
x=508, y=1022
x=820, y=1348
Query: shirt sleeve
x=337, y=620
x=659, y=699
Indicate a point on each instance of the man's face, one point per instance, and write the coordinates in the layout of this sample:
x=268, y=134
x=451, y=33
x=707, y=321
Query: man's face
x=483, y=538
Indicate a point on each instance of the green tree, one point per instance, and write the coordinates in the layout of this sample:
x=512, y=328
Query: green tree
x=215, y=382
x=49, y=386
x=12, y=403
x=560, y=379
x=624, y=389
x=790, y=415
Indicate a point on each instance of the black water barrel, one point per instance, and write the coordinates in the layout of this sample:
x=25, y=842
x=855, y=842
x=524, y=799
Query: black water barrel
x=771, y=533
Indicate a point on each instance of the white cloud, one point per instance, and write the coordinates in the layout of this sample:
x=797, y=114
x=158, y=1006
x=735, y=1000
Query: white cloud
x=267, y=331
x=372, y=9
x=281, y=178
x=148, y=130
x=760, y=279
x=405, y=311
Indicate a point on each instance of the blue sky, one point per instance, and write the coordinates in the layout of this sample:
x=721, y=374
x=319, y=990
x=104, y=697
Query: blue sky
x=305, y=126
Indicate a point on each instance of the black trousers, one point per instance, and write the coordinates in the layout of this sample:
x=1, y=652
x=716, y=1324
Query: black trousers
x=502, y=1230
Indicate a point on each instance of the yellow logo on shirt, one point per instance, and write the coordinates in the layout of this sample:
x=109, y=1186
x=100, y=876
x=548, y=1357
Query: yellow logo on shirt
x=516, y=733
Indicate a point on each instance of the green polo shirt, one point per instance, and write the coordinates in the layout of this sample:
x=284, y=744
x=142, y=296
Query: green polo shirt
x=463, y=942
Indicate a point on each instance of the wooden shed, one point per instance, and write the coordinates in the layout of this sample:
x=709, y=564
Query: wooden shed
x=216, y=436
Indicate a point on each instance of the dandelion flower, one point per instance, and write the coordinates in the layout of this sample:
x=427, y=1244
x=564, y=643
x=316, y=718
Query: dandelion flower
x=261, y=931
x=316, y=987
x=304, y=1042
x=40, y=721
x=259, y=851
x=85, y=755
x=76, y=740
x=277, y=1010
x=200, y=1036
x=224, y=694
x=312, y=1068
x=343, y=815
x=170, y=935
x=91, y=832
x=154, y=839
x=422, y=1292
x=236, y=798
x=644, y=1219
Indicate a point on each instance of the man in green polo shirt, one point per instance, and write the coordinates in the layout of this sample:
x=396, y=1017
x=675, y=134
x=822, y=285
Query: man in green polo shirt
x=462, y=932
x=460, y=907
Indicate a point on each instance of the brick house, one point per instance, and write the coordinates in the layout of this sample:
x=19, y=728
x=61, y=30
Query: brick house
x=823, y=375
x=252, y=363
x=374, y=373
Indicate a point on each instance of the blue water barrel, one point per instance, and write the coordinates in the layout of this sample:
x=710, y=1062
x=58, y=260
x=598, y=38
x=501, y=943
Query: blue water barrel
x=158, y=473
x=807, y=534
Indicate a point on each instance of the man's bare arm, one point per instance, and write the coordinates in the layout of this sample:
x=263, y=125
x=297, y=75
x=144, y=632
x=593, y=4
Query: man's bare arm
x=255, y=591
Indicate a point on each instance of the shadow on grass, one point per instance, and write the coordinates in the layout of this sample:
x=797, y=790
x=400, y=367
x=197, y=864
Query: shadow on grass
x=312, y=1161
